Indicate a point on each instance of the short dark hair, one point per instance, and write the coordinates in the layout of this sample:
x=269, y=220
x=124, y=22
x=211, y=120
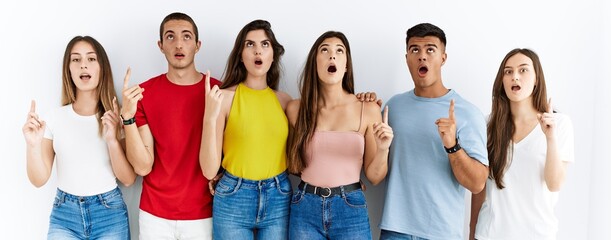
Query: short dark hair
x=425, y=30
x=178, y=16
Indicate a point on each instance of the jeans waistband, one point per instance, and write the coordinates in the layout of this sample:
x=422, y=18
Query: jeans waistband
x=328, y=192
x=256, y=183
x=64, y=196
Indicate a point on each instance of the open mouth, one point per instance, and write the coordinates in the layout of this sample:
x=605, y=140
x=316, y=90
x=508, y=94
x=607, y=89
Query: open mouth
x=423, y=70
x=515, y=88
x=331, y=69
x=85, y=77
x=179, y=55
x=258, y=62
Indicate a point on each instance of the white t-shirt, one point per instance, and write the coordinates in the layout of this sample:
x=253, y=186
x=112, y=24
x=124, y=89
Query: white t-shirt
x=524, y=209
x=81, y=154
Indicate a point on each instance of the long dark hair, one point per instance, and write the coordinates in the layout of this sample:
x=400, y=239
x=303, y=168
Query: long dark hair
x=235, y=71
x=308, y=108
x=501, y=127
x=105, y=89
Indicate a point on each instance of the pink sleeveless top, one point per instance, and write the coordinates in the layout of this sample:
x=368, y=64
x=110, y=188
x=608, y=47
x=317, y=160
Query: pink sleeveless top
x=334, y=158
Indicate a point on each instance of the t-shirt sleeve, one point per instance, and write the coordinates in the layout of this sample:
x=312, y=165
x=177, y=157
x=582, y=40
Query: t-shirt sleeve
x=49, y=127
x=565, y=138
x=472, y=136
x=140, y=114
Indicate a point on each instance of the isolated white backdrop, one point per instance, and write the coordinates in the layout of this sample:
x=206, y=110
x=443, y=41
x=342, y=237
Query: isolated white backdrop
x=572, y=40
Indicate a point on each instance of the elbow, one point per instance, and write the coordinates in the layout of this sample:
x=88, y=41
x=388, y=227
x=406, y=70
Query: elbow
x=129, y=181
x=209, y=174
x=37, y=182
x=143, y=171
x=376, y=179
x=477, y=188
x=553, y=187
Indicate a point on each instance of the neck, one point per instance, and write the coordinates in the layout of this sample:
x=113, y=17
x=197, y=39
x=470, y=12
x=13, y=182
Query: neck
x=257, y=83
x=433, y=91
x=331, y=95
x=86, y=103
x=523, y=110
x=185, y=76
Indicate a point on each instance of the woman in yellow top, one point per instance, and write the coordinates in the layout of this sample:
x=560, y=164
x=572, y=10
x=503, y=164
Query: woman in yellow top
x=245, y=125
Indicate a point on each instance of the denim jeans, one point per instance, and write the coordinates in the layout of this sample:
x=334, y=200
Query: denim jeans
x=102, y=216
x=390, y=235
x=243, y=208
x=336, y=217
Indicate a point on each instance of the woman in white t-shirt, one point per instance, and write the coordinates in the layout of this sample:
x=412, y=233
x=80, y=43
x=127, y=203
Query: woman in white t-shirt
x=82, y=138
x=529, y=148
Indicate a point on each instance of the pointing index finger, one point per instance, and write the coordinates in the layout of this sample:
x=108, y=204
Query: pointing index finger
x=126, y=79
x=207, y=82
x=549, y=106
x=33, y=106
x=385, y=119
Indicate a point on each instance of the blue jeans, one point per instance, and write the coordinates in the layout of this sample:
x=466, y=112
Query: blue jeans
x=244, y=208
x=337, y=217
x=390, y=235
x=102, y=216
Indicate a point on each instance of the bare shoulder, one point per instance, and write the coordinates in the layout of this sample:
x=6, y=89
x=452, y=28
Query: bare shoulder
x=283, y=98
x=292, y=110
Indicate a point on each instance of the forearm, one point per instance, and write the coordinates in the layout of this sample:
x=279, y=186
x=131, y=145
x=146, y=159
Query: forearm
x=554, y=171
x=477, y=200
x=469, y=172
x=209, y=156
x=122, y=169
x=378, y=168
x=138, y=154
x=38, y=170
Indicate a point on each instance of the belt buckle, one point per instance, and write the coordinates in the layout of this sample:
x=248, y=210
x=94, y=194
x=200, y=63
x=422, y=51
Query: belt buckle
x=328, y=192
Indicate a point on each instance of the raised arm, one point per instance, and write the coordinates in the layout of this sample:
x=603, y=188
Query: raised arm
x=138, y=140
x=210, y=150
x=122, y=169
x=555, y=169
x=469, y=172
x=378, y=137
x=39, y=151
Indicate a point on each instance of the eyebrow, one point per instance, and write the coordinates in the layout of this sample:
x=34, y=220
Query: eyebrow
x=80, y=54
x=326, y=45
x=521, y=65
x=426, y=45
x=183, y=31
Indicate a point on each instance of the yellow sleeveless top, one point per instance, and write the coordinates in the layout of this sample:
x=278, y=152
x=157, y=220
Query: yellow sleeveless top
x=254, y=141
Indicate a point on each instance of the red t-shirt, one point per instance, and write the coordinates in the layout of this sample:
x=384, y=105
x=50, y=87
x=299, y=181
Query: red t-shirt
x=175, y=188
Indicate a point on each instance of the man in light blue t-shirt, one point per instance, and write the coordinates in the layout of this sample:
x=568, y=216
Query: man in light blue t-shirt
x=438, y=150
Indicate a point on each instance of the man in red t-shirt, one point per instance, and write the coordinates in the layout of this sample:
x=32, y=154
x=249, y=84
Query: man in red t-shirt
x=163, y=144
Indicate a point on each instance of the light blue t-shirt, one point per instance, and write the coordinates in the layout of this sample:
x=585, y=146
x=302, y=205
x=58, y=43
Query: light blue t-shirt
x=423, y=198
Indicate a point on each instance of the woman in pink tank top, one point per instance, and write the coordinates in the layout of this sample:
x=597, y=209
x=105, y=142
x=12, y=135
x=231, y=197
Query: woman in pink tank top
x=332, y=136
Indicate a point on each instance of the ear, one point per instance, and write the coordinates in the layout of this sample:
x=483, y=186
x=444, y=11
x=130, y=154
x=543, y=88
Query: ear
x=198, y=45
x=160, y=45
x=444, y=56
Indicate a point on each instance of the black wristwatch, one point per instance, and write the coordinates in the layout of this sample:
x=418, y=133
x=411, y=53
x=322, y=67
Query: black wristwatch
x=454, y=149
x=128, y=121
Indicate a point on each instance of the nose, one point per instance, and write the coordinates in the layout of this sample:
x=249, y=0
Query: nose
x=332, y=57
x=516, y=77
x=83, y=66
x=422, y=57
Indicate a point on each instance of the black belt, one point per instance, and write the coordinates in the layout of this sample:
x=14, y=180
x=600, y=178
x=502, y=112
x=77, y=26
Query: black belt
x=328, y=192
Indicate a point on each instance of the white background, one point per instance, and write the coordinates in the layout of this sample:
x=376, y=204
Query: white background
x=572, y=40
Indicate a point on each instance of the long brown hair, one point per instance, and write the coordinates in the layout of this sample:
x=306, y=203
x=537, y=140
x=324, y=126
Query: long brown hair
x=310, y=96
x=105, y=89
x=500, y=125
x=235, y=71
